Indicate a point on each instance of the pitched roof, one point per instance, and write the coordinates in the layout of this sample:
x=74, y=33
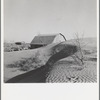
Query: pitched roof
x=43, y=39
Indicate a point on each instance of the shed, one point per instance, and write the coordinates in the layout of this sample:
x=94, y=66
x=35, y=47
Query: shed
x=43, y=40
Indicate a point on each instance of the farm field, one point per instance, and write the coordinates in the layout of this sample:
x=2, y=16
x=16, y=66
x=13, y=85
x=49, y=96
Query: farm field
x=64, y=70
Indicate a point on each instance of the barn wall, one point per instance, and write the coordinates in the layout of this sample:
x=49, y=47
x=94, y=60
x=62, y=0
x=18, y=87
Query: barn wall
x=33, y=46
x=58, y=39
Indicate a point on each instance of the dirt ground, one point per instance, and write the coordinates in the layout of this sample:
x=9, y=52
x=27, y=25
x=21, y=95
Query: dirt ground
x=64, y=70
x=10, y=58
x=68, y=71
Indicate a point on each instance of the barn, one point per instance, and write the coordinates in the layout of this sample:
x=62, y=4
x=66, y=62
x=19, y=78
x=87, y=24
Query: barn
x=43, y=40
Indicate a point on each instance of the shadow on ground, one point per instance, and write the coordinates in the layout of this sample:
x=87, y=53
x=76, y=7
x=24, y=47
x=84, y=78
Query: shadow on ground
x=39, y=75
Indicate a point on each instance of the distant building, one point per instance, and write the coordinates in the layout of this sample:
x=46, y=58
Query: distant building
x=18, y=43
x=43, y=40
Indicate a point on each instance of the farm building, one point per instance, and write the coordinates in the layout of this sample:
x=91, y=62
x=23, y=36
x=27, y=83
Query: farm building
x=43, y=40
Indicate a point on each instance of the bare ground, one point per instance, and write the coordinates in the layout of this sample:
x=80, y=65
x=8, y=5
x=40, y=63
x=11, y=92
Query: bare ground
x=65, y=70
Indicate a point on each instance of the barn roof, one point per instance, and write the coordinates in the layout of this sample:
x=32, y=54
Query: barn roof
x=43, y=39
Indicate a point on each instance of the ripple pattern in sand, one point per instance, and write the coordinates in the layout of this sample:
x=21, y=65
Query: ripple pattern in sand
x=65, y=72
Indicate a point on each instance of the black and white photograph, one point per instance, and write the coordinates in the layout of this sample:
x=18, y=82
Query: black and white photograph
x=50, y=41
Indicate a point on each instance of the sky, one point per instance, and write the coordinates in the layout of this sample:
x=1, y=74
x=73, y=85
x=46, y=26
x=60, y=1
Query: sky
x=24, y=19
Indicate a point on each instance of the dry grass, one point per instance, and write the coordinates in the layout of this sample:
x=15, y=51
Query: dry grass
x=9, y=47
x=68, y=70
x=27, y=64
x=65, y=70
x=19, y=62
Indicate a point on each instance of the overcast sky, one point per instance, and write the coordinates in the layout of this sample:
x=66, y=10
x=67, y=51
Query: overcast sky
x=23, y=19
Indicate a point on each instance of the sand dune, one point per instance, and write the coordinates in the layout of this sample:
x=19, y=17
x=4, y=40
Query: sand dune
x=64, y=70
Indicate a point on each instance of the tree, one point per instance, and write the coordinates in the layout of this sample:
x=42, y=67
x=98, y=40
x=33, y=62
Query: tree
x=79, y=56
